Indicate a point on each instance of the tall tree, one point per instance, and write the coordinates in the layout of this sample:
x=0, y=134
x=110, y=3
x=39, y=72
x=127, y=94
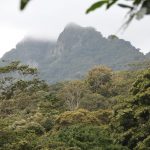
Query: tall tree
x=72, y=93
x=99, y=79
x=131, y=120
x=10, y=76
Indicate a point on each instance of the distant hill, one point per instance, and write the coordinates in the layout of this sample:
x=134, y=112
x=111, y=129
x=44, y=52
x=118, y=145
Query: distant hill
x=74, y=53
x=30, y=51
x=148, y=55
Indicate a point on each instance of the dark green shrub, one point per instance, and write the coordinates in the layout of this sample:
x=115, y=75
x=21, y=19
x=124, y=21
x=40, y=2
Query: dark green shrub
x=48, y=124
x=37, y=128
x=86, y=137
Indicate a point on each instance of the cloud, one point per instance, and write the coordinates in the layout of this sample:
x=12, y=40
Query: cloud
x=45, y=18
x=8, y=41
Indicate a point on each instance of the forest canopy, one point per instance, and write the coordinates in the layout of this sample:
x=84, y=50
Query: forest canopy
x=104, y=110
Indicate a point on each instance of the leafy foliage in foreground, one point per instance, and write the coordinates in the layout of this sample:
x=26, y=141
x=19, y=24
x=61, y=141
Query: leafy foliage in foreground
x=36, y=115
x=137, y=8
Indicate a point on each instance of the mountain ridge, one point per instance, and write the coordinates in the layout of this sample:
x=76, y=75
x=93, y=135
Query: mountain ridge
x=76, y=50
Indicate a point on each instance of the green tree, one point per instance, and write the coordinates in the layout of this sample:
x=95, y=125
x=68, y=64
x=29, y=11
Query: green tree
x=99, y=80
x=11, y=74
x=71, y=93
x=131, y=120
x=88, y=137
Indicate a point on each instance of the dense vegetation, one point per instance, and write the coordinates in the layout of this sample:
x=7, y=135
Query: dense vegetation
x=106, y=110
x=137, y=9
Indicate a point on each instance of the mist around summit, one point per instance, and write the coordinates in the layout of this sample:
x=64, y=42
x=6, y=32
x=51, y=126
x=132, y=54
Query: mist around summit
x=76, y=50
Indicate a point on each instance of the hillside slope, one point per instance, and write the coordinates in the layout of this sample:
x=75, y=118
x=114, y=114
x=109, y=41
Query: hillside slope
x=76, y=51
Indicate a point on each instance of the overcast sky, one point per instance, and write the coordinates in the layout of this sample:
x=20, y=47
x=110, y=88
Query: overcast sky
x=47, y=18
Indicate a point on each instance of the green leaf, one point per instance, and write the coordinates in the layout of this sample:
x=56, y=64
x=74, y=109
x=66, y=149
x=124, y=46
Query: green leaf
x=96, y=5
x=111, y=3
x=23, y=4
x=125, y=6
x=137, y=2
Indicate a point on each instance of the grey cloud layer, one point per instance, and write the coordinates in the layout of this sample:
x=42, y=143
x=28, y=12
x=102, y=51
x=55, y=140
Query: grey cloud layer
x=45, y=18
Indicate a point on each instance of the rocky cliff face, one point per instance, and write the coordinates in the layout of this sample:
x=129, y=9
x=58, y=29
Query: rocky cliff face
x=30, y=51
x=74, y=53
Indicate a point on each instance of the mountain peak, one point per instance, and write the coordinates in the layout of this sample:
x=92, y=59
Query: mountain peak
x=76, y=26
x=76, y=51
x=73, y=32
x=72, y=25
